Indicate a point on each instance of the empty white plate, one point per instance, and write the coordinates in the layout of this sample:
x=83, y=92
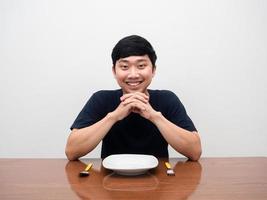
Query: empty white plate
x=130, y=164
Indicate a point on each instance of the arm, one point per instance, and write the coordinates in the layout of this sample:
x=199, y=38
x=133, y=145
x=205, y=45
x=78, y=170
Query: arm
x=84, y=140
x=183, y=141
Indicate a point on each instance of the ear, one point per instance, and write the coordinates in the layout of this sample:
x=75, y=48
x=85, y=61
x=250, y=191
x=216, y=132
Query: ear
x=153, y=71
x=113, y=70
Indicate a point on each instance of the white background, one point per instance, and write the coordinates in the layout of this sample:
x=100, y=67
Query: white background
x=54, y=54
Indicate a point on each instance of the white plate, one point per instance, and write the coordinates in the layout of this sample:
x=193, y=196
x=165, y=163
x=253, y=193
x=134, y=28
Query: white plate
x=130, y=164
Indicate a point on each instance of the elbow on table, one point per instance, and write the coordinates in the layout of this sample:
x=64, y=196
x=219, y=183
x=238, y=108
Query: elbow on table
x=196, y=155
x=197, y=149
x=70, y=155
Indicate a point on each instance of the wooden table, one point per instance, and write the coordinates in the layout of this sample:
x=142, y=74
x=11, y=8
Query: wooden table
x=210, y=178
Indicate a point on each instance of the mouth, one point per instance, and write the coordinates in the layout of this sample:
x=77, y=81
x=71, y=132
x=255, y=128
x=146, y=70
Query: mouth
x=133, y=83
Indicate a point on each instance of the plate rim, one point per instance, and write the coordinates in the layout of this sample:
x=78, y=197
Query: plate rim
x=130, y=169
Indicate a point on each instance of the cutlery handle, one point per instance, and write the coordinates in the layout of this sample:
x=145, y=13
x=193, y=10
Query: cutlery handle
x=88, y=166
x=168, y=165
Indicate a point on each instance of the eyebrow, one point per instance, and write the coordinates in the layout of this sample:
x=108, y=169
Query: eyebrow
x=138, y=60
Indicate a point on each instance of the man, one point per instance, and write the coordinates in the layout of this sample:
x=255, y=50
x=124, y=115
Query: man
x=133, y=119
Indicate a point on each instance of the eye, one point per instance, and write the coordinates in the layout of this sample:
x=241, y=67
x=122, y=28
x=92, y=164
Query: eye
x=124, y=67
x=141, y=66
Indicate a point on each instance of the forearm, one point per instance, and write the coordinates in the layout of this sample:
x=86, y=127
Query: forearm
x=82, y=141
x=183, y=141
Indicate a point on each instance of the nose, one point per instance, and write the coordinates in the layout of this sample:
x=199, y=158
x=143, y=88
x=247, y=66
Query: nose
x=133, y=73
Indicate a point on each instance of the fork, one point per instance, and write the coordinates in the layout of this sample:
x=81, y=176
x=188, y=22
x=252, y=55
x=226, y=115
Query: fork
x=170, y=171
x=85, y=172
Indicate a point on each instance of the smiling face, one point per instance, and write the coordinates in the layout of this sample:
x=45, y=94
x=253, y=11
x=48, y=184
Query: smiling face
x=134, y=73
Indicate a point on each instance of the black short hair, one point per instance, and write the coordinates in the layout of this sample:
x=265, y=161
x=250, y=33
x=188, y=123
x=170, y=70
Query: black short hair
x=133, y=45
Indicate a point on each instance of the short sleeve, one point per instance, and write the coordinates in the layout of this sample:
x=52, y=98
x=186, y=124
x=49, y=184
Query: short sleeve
x=90, y=114
x=177, y=114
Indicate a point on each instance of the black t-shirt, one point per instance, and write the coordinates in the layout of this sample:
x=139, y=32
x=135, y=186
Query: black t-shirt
x=134, y=134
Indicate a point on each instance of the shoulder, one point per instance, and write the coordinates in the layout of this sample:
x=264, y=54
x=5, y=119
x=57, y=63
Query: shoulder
x=164, y=100
x=163, y=94
x=106, y=93
x=105, y=99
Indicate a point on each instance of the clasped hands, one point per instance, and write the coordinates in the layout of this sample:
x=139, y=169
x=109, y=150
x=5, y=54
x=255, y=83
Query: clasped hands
x=136, y=102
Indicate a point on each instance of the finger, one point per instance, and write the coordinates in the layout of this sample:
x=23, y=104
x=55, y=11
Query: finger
x=133, y=100
x=135, y=96
x=145, y=95
x=140, y=107
x=135, y=110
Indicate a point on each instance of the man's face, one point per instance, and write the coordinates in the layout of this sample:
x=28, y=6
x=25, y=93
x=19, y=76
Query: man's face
x=134, y=73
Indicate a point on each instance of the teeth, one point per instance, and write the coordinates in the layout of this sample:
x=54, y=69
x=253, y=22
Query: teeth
x=133, y=83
